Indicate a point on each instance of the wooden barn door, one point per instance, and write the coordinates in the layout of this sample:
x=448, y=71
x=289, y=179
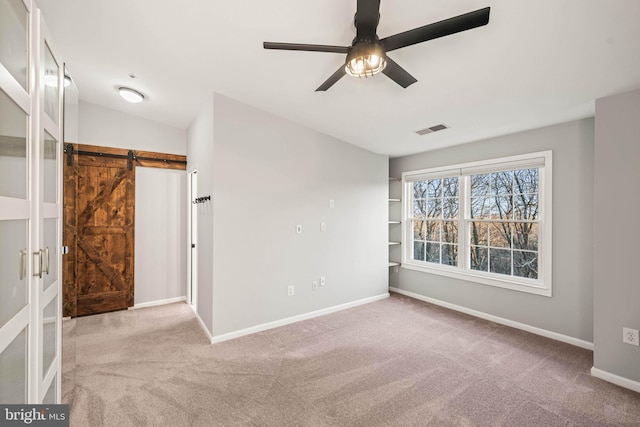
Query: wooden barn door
x=99, y=229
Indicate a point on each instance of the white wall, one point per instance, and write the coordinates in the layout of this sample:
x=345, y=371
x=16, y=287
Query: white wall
x=160, y=244
x=616, y=234
x=569, y=312
x=269, y=175
x=109, y=128
x=200, y=158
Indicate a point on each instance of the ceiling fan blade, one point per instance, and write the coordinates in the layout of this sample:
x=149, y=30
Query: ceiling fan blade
x=306, y=47
x=332, y=80
x=449, y=26
x=367, y=17
x=398, y=74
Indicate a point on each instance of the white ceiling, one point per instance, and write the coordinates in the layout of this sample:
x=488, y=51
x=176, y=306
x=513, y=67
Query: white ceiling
x=535, y=63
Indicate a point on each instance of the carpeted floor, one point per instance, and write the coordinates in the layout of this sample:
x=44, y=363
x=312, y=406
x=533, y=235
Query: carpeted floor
x=396, y=362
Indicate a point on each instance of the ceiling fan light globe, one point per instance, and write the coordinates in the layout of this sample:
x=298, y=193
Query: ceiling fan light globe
x=365, y=60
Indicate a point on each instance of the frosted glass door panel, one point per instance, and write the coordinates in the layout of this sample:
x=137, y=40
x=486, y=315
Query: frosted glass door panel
x=50, y=397
x=14, y=44
x=13, y=265
x=13, y=148
x=13, y=371
x=51, y=88
x=48, y=335
x=50, y=254
x=50, y=154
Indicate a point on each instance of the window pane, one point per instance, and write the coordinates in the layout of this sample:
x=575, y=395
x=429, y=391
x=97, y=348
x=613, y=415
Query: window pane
x=418, y=230
x=450, y=207
x=525, y=236
x=450, y=231
x=14, y=46
x=502, y=182
x=449, y=254
x=14, y=238
x=500, y=261
x=500, y=235
x=420, y=190
x=450, y=187
x=418, y=251
x=502, y=207
x=525, y=206
x=434, y=208
x=51, y=71
x=433, y=231
x=525, y=181
x=433, y=252
x=13, y=149
x=479, y=258
x=434, y=188
x=50, y=397
x=525, y=264
x=480, y=207
x=478, y=233
x=419, y=209
x=480, y=185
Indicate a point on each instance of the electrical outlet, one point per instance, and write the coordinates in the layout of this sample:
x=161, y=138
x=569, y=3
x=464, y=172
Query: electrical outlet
x=290, y=290
x=332, y=204
x=322, y=281
x=630, y=336
x=314, y=285
x=323, y=226
x=298, y=229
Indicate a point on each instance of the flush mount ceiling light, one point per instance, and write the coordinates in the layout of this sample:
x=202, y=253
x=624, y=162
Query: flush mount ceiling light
x=130, y=95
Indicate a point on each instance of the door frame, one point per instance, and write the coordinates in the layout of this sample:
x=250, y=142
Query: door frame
x=192, y=246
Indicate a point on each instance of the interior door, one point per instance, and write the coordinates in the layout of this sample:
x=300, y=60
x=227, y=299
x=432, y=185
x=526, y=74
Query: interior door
x=15, y=204
x=100, y=197
x=30, y=128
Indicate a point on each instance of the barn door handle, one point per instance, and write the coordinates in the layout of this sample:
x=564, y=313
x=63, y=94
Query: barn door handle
x=39, y=264
x=23, y=265
x=46, y=251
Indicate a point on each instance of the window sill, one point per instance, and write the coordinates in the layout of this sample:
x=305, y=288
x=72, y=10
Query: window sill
x=455, y=273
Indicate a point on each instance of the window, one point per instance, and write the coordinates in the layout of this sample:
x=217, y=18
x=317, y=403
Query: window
x=482, y=221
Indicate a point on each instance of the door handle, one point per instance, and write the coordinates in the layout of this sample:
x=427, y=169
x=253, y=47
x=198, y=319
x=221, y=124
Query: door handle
x=39, y=264
x=23, y=264
x=46, y=251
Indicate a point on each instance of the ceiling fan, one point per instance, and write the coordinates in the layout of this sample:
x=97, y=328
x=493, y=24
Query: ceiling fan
x=367, y=54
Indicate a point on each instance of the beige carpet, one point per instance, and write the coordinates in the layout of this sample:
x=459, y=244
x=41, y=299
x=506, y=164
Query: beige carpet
x=396, y=362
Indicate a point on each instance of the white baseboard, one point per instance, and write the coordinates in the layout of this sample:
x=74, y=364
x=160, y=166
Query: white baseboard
x=616, y=379
x=294, y=319
x=203, y=326
x=158, y=302
x=534, y=330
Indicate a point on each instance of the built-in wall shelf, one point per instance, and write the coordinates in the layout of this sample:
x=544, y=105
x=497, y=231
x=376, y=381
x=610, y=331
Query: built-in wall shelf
x=394, y=213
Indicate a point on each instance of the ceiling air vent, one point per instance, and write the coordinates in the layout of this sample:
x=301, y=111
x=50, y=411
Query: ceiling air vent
x=432, y=129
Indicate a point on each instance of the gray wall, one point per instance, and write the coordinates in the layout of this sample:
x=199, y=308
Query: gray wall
x=102, y=126
x=569, y=311
x=616, y=233
x=269, y=175
x=200, y=158
x=160, y=237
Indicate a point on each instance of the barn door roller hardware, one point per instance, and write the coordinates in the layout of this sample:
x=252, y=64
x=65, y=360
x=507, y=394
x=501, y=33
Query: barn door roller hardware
x=130, y=156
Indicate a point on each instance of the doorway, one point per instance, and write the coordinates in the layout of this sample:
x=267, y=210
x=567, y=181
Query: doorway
x=192, y=296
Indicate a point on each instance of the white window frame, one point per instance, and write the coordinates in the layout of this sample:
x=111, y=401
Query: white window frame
x=543, y=162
